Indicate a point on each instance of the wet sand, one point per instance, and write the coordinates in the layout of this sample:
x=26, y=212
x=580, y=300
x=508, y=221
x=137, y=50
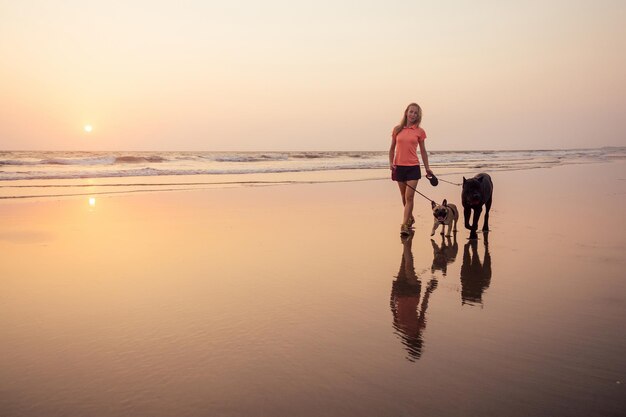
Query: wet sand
x=303, y=300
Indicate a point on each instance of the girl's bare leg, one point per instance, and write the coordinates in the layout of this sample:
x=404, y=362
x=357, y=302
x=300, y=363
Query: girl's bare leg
x=403, y=187
x=409, y=195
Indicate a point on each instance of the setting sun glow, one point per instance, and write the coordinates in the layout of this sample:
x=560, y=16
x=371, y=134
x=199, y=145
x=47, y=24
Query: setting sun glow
x=88, y=128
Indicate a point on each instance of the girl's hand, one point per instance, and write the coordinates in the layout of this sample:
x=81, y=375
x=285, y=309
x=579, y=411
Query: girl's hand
x=392, y=167
x=429, y=173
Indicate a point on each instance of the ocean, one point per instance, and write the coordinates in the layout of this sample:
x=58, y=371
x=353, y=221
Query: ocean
x=25, y=174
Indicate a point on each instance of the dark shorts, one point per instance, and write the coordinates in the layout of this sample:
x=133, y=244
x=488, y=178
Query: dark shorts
x=403, y=173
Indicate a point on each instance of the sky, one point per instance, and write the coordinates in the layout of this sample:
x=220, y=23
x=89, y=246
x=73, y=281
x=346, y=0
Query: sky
x=310, y=75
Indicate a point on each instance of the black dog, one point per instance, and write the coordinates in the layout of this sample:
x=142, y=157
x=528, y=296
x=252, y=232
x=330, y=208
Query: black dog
x=476, y=192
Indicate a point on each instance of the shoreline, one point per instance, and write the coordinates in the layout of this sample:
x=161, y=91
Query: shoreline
x=115, y=185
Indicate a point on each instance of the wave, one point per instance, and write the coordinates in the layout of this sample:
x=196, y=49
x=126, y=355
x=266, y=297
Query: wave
x=138, y=159
x=18, y=162
x=238, y=170
x=201, y=157
x=103, y=160
x=248, y=157
x=107, y=160
x=74, y=165
x=149, y=172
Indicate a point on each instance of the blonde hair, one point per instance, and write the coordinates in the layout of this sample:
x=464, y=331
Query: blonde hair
x=402, y=124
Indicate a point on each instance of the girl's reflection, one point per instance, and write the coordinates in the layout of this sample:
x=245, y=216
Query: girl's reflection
x=409, y=316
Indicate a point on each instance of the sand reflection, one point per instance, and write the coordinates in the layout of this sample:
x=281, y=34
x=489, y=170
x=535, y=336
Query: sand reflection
x=407, y=304
x=475, y=275
x=444, y=254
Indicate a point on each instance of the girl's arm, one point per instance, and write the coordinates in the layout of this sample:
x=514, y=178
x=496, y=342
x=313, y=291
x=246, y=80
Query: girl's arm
x=425, y=158
x=392, y=152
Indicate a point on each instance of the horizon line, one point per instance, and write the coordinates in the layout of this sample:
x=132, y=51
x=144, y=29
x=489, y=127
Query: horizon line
x=310, y=150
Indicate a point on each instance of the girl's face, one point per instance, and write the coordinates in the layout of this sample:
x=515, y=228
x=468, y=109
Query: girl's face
x=411, y=115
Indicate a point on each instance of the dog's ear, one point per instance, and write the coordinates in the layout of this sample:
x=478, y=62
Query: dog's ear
x=432, y=204
x=445, y=203
x=464, y=180
x=480, y=179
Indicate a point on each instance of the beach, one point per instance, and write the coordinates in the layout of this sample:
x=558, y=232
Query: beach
x=283, y=299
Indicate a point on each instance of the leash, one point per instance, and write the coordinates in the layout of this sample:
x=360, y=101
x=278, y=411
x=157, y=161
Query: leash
x=432, y=201
x=453, y=183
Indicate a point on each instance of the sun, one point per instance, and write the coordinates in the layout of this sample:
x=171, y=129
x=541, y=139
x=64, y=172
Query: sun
x=88, y=128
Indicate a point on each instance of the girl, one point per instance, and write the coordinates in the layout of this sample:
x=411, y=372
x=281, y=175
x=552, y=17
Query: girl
x=404, y=162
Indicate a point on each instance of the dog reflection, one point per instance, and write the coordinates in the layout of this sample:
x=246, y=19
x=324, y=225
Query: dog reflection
x=445, y=254
x=475, y=276
x=409, y=316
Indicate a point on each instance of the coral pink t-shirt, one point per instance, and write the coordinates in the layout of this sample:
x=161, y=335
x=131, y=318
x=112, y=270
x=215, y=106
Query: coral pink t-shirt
x=406, y=146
